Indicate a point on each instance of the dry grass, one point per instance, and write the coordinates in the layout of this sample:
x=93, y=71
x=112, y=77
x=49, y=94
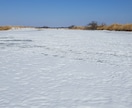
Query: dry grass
x=116, y=27
x=113, y=27
x=127, y=27
x=5, y=27
x=101, y=27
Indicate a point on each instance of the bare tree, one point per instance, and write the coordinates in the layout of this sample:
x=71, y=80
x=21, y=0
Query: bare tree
x=93, y=25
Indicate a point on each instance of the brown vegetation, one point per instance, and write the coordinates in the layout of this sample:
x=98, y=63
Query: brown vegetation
x=116, y=27
x=5, y=27
x=95, y=26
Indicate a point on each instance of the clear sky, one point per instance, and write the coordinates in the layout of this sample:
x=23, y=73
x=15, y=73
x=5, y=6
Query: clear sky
x=64, y=12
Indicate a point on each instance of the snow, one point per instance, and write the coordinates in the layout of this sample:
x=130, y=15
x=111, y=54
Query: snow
x=53, y=68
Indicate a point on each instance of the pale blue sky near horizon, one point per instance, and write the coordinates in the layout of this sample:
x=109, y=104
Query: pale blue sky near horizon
x=64, y=12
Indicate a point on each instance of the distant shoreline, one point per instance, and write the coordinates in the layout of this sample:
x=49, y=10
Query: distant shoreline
x=113, y=27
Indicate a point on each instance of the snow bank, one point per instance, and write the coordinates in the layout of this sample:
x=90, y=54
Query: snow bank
x=22, y=28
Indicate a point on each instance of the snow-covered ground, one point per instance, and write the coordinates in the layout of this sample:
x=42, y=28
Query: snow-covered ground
x=65, y=69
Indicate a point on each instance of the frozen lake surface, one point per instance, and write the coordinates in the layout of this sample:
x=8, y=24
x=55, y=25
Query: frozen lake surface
x=65, y=69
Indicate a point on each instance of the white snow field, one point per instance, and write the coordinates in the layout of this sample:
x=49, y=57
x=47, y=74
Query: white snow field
x=65, y=69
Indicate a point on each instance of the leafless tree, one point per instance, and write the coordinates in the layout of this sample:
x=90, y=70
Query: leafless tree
x=93, y=25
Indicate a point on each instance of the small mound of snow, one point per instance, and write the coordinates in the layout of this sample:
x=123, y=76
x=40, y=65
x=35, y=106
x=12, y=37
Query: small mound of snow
x=22, y=28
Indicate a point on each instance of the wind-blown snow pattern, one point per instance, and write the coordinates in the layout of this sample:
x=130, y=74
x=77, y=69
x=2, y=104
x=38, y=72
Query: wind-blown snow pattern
x=65, y=69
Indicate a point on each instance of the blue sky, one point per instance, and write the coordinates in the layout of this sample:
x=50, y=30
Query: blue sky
x=64, y=12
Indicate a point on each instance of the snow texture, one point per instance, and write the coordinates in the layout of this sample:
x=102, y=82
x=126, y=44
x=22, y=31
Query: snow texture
x=65, y=69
